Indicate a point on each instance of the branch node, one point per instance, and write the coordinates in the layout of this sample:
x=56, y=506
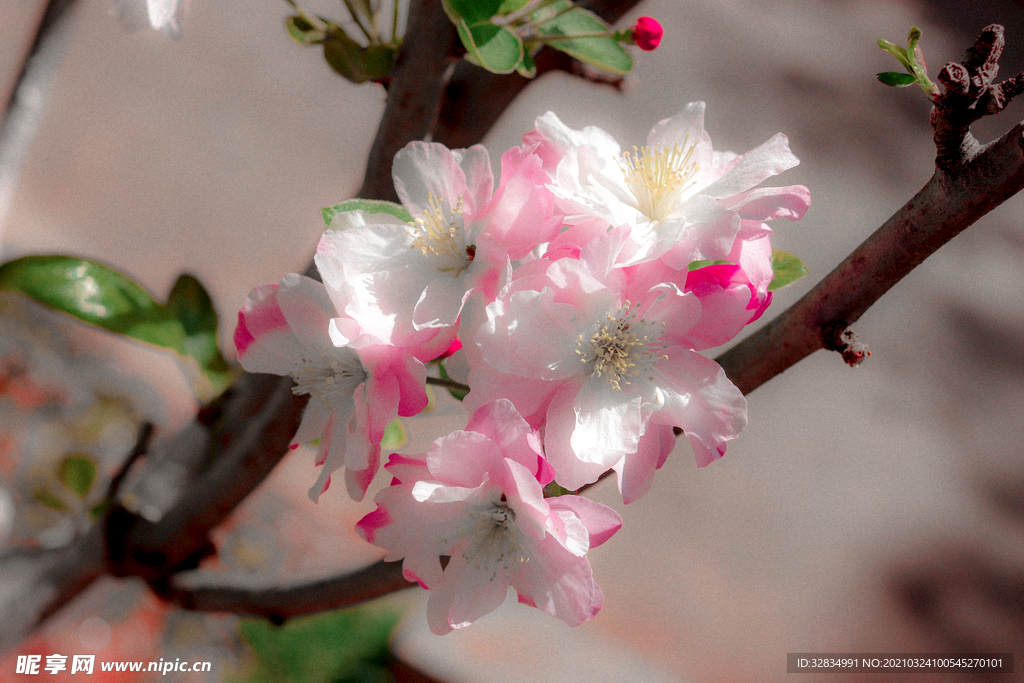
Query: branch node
x=837, y=336
x=970, y=93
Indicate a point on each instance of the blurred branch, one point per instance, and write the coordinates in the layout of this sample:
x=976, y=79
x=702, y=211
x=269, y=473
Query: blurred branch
x=23, y=113
x=281, y=603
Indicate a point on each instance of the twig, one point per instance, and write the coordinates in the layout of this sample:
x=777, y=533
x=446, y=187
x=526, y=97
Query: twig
x=970, y=94
x=24, y=111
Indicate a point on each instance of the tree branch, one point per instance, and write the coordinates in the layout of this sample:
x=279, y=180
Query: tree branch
x=474, y=99
x=944, y=207
x=281, y=603
x=24, y=111
x=414, y=94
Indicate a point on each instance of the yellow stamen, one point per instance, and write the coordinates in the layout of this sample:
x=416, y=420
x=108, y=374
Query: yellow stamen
x=442, y=236
x=658, y=177
x=618, y=351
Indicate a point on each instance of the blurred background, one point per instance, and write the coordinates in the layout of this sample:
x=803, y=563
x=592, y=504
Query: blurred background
x=876, y=509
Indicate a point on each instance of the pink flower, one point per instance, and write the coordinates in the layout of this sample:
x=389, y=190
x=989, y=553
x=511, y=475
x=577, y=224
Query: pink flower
x=647, y=33
x=354, y=392
x=406, y=284
x=684, y=201
x=477, y=498
x=603, y=358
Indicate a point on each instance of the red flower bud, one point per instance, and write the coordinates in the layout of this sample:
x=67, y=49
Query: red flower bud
x=647, y=33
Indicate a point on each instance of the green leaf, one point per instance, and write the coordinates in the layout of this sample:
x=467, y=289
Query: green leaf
x=896, y=79
x=190, y=304
x=492, y=47
x=354, y=62
x=395, y=436
x=509, y=6
x=896, y=51
x=788, y=269
x=603, y=52
x=367, y=206
x=912, y=38
x=346, y=645
x=527, y=68
x=104, y=297
x=471, y=11
x=697, y=265
x=303, y=32
x=78, y=472
x=99, y=508
x=49, y=500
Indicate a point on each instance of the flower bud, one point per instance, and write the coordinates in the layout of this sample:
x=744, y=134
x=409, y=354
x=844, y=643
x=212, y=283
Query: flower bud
x=647, y=33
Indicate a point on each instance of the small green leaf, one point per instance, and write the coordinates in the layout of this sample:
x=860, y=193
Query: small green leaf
x=99, y=508
x=190, y=305
x=354, y=62
x=896, y=79
x=367, y=206
x=492, y=47
x=912, y=39
x=303, y=32
x=509, y=6
x=896, y=51
x=554, y=490
x=49, y=500
x=788, y=269
x=457, y=394
x=78, y=472
x=526, y=68
x=603, y=52
x=697, y=265
x=395, y=436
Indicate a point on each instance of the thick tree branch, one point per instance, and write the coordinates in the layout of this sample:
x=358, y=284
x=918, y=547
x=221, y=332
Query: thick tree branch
x=946, y=205
x=414, y=94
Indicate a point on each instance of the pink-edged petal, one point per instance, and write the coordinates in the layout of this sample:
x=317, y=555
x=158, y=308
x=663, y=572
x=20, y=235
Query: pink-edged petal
x=636, y=471
x=767, y=203
x=307, y=308
x=608, y=422
x=263, y=338
x=464, y=459
x=465, y=593
x=520, y=213
x=559, y=583
x=570, y=471
x=421, y=169
x=600, y=520
x=440, y=303
x=701, y=400
x=503, y=425
x=750, y=169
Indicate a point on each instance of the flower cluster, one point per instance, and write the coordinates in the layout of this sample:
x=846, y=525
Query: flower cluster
x=582, y=289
